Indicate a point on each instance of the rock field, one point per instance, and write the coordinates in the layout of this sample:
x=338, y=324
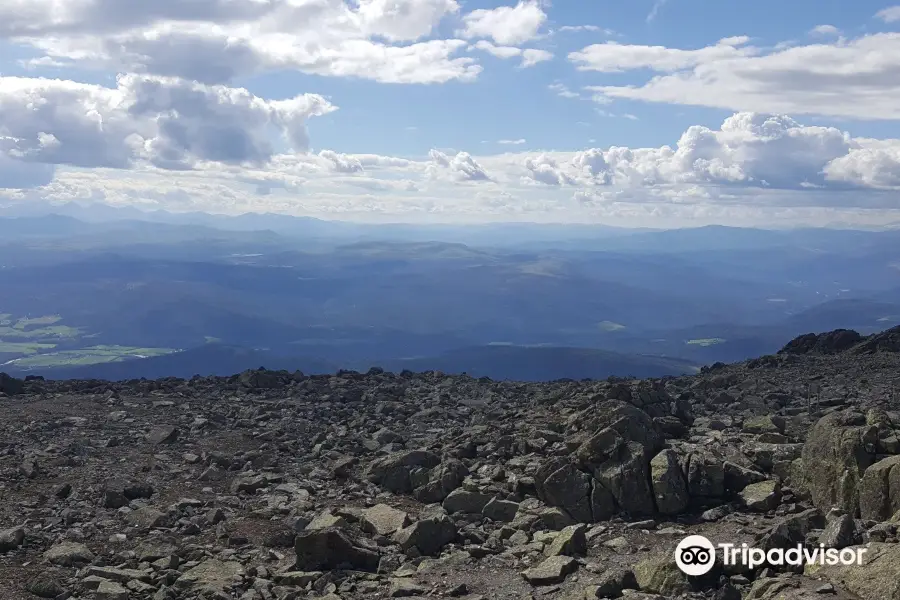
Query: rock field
x=279, y=486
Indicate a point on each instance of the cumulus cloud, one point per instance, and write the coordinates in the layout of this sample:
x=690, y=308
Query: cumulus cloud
x=612, y=57
x=461, y=167
x=342, y=163
x=171, y=123
x=752, y=163
x=856, y=78
x=748, y=151
x=544, y=169
x=215, y=41
x=825, y=30
x=530, y=56
x=890, y=14
x=506, y=25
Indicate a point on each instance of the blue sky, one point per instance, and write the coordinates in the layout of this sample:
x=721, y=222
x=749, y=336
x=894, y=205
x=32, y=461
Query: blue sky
x=514, y=103
x=675, y=112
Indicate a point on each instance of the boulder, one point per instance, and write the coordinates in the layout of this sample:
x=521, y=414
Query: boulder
x=571, y=541
x=67, y=554
x=878, y=578
x=560, y=483
x=660, y=575
x=838, y=450
x=551, y=571
x=332, y=548
x=392, y=472
x=442, y=480
x=879, y=490
x=762, y=496
x=382, y=519
x=10, y=385
x=465, y=501
x=12, y=538
x=429, y=536
x=669, y=486
x=210, y=576
x=627, y=477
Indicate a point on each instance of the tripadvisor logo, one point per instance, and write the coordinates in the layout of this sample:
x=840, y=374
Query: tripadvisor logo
x=696, y=555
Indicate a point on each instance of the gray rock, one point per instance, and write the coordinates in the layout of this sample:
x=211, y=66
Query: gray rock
x=382, y=519
x=464, y=501
x=12, y=538
x=551, y=571
x=669, y=486
x=332, y=548
x=211, y=575
x=879, y=490
x=842, y=531
x=45, y=585
x=571, y=541
x=500, y=510
x=392, y=472
x=838, y=449
x=429, y=536
x=110, y=590
x=762, y=496
x=67, y=554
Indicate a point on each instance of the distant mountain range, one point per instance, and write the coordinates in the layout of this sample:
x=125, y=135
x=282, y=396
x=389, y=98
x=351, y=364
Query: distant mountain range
x=98, y=289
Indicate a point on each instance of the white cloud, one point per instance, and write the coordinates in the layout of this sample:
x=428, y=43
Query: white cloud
x=544, y=169
x=530, y=56
x=403, y=20
x=533, y=56
x=214, y=41
x=580, y=28
x=870, y=163
x=169, y=122
x=753, y=166
x=612, y=57
x=511, y=142
x=461, y=167
x=829, y=30
x=857, y=78
x=562, y=90
x=890, y=14
x=506, y=25
x=654, y=12
x=342, y=163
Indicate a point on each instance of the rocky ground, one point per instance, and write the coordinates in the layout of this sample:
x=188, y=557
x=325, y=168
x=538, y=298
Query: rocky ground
x=272, y=485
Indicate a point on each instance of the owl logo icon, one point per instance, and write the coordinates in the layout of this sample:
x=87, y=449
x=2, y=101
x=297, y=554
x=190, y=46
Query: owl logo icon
x=695, y=555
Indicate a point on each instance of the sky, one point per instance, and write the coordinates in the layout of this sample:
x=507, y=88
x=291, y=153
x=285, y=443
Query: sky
x=640, y=113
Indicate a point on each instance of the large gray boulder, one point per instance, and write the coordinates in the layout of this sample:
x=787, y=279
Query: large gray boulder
x=332, y=548
x=627, y=477
x=879, y=490
x=392, y=472
x=838, y=449
x=878, y=578
x=669, y=486
x=560, y=483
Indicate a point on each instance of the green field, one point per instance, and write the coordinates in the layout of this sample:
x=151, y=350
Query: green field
x=88, y=356
x=47, y=320
x=706, y=342
x=27, y=348
x=44, y=341
x=41, y=333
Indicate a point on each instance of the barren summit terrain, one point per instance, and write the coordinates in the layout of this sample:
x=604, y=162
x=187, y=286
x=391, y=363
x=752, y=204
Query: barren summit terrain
x=276, y=485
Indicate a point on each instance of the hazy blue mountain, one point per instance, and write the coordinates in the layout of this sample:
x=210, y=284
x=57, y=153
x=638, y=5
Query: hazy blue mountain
x=78, y=291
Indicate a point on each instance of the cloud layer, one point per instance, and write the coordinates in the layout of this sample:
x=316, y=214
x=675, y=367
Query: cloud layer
x=174, y=129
